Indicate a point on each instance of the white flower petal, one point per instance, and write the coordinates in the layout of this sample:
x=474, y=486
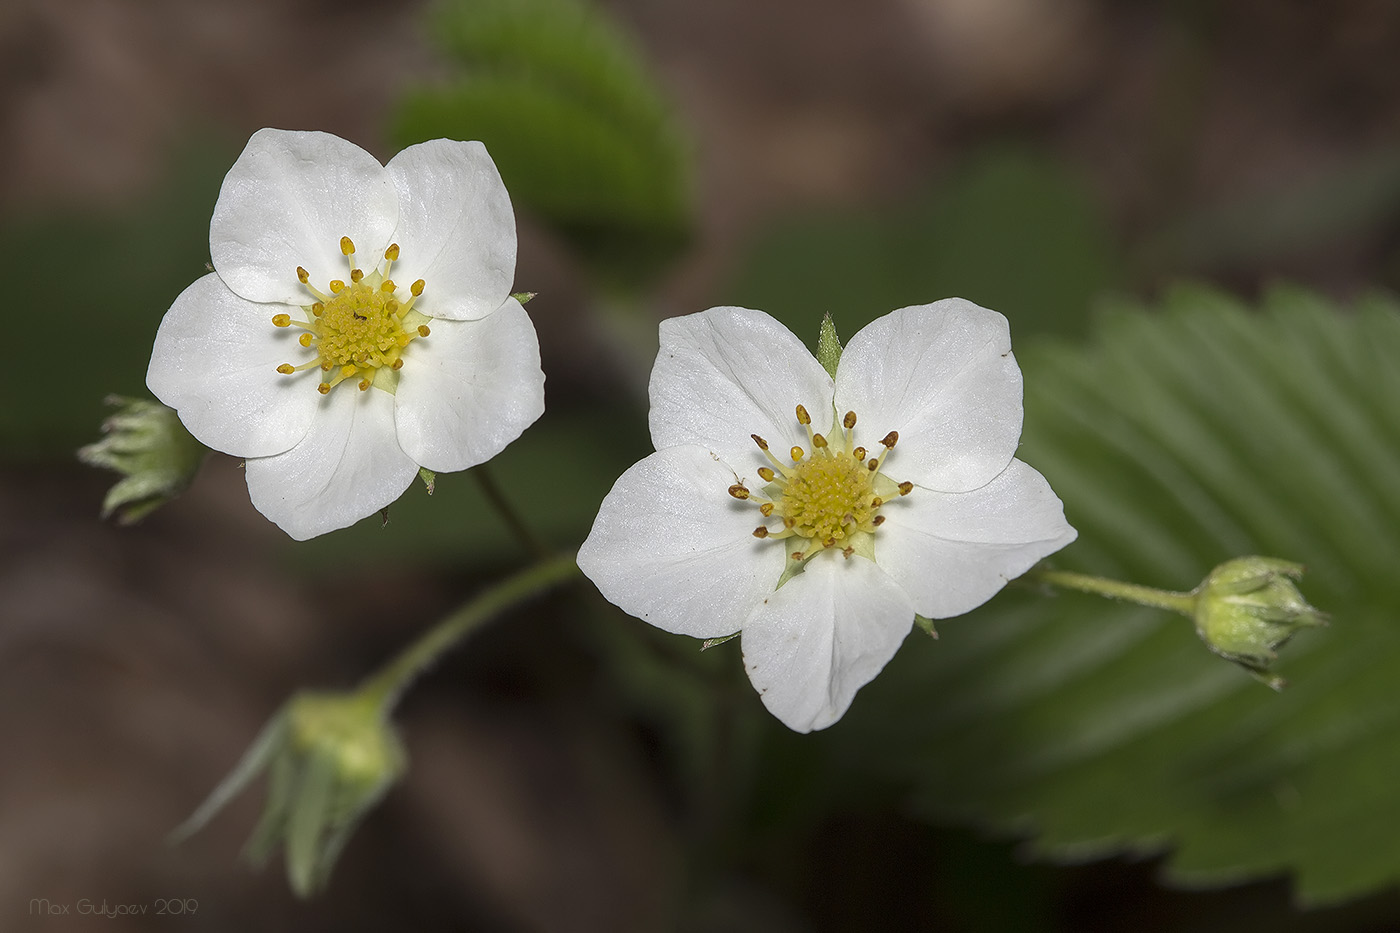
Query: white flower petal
x=671, y=547
x=943, y=376
x=468, y=389
x=286, y=202
x=456, y=228
x=953, y=551
x=811, y=645
x=215, y=361
x=727, y=373
x=347, y=467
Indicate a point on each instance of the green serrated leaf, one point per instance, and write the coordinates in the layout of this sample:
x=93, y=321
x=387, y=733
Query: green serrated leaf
x=1179, y=440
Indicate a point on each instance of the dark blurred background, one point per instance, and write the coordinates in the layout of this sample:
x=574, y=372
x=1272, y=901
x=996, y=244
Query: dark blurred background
x=1036, y=156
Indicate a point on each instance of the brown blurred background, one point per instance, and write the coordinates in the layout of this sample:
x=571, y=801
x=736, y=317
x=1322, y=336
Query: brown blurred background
x=1240, y=142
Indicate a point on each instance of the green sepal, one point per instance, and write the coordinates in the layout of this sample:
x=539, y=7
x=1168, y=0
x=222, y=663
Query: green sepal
x=523, y=297
x=828, y=346
x=712, y=642
x=1248, y=607
x=145, y=441
x=925, y=625
x=330, y=758
x=429, y=479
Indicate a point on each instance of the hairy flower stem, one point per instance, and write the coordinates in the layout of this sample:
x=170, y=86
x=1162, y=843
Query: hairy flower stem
x=497, y=497
x=1184, y=603
x=389, y=683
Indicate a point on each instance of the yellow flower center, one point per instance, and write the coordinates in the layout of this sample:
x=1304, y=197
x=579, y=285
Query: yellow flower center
x=831, y=499
x=357, y=329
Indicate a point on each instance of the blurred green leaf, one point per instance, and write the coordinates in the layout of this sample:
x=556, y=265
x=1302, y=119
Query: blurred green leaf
x=101, y=281
x=1008, y=230
x=571, y=117
x=1178, y=440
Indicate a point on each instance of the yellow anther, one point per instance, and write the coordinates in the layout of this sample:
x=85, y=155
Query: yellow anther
x=802, y=416
x=766, y=508
x=317, y=309
x=797, y=555
x=760, y=532
x=364, y=384
x=767, y=474
x=858, y=453
x=763, y=445
x=423, y=330
x=387, y=287
x=356, y=274
x=323, y=388
x=303, y=276
x=850, y=420
x=282, y=320
x=417, y=288
x=890, y=439
x=286, y=369
x=905, y=488
x=876, y=502
x=818, y=440
x=397, y=365
x=738, y=491
x=795, y=454
x=326, y=366
x=337, y=286
x=873, y=465
x=304, y=340
x=348, y=370
x=391, y=306
x=392, y=253
x=347, y=246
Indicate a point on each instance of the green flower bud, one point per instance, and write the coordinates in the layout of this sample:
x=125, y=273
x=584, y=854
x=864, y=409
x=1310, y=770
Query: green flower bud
x=330, y=758
x=1247, y=608
x=146, y=442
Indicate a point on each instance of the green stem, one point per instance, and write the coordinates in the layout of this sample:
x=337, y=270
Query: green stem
x=497, y=497
x=388, y=684
x=1183, y=603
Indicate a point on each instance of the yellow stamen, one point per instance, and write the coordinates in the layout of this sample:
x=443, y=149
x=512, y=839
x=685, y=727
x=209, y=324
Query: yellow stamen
x=356, y=329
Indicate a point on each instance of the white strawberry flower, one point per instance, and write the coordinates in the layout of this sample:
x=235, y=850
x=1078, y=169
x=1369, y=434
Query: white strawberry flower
x=357, y=325
x=820, y=545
